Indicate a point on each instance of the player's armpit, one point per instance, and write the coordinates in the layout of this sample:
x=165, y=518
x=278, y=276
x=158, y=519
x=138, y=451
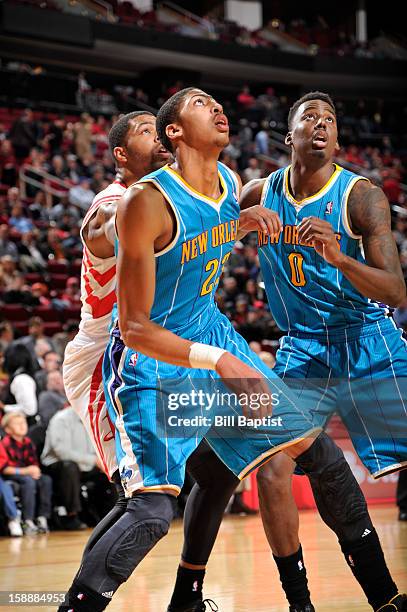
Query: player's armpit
x=251, y=193
x=369, y=216
x=98, y=234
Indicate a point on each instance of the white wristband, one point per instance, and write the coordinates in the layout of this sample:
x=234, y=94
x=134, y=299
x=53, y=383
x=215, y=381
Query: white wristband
x=204, y=356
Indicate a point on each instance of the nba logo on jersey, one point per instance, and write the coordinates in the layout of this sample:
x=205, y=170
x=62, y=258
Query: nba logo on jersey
x=133, y=359
x=328, y=209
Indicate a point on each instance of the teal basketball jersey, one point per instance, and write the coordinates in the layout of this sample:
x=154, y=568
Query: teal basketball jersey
x=305, y=293
x=189, y=268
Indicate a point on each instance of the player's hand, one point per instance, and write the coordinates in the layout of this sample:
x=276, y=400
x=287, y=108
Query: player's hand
x=258, y=218
x=320, y=234
x=97, y=223
x=247, y=382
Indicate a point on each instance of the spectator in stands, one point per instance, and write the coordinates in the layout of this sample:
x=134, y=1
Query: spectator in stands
x=61, y=339
x=65, y=207
x=7, y=246
x=245, y=98
x=57, y=168
x=13, y=197
x=73, y=172
x=36, y=333
x=72, y=293
x=40, y=291
x=21, y=392
x=268, y=358
x=51, y=362
x=24, y=135
x=30, y=257
x=262, y=140
x=18, y=462
x=252, y=171
x=70, y=459
x=8, y=267
x=8, y=163
x=6, y=334
x=18, y=292
x=18, y=221
x=10, y=509
x=83, y=136
x=82, y=195
x=53, y=398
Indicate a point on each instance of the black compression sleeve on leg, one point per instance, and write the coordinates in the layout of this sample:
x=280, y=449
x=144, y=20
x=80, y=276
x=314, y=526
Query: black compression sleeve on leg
x=343, y=508
x=106, y=523
x=338, y=496
x=206, y=504
x=114, y=557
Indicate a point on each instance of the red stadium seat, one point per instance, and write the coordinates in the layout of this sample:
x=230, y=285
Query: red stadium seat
x=52, y=327
x=58, y=281
x=15, y=312
x=33, y=277
x=76, y=268
x=73, y=312
x=21, y=327
x=47, y=313
x=57, y=267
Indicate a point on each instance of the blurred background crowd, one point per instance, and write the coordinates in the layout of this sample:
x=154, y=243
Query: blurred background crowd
x=53, y=163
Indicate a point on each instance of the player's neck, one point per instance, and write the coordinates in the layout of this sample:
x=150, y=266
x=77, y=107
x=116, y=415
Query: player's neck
x=199, y=170
x=305, y=181
x=128, y=177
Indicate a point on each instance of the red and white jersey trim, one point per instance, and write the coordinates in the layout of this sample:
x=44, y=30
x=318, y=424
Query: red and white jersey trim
x=98, y=276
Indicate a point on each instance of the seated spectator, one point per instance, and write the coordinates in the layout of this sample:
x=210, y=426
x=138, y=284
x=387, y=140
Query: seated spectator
x=61, y=339
x=82, y=195
x=72, y=293
x=10, y=509
x=40, y=291
x=7, y=246
x=50, y=362
x=19, y=222
x=21, y=392
x=30, y=257
x=18, y=292
x=70, y=459
x=245, y=98
x=7, y=268
x=19, y=463
x=252, y=171
x=53, y=398
x=36, y=333
x=6, y=334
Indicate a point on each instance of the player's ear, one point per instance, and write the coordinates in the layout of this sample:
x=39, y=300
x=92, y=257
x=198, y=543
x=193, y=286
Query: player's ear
x=120, y=155
x=337, y=147
x=173, y=131
x=288, y=139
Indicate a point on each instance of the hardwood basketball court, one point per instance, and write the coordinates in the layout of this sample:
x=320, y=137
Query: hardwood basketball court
x=241, y=575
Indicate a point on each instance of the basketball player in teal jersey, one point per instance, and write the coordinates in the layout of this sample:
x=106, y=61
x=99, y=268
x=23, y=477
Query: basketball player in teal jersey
x=176, y=229
x=327, y=275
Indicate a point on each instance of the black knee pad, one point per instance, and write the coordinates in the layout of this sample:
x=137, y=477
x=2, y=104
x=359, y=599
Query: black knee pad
x=154, y=512
x=338, y=496
x=208, y=470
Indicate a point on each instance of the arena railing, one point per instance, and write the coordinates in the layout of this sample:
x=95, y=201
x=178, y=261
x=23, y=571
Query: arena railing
x=43, y=185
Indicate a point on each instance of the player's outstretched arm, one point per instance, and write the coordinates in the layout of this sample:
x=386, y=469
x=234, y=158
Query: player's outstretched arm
x=381, y=278
x=254, y=217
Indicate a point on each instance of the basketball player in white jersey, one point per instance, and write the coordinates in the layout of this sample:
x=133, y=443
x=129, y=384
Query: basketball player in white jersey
x=136, y=151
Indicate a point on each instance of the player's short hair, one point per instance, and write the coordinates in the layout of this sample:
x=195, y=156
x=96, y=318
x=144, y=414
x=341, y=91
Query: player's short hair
x=168, y=114
x=311, y=95
x=118, y=131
